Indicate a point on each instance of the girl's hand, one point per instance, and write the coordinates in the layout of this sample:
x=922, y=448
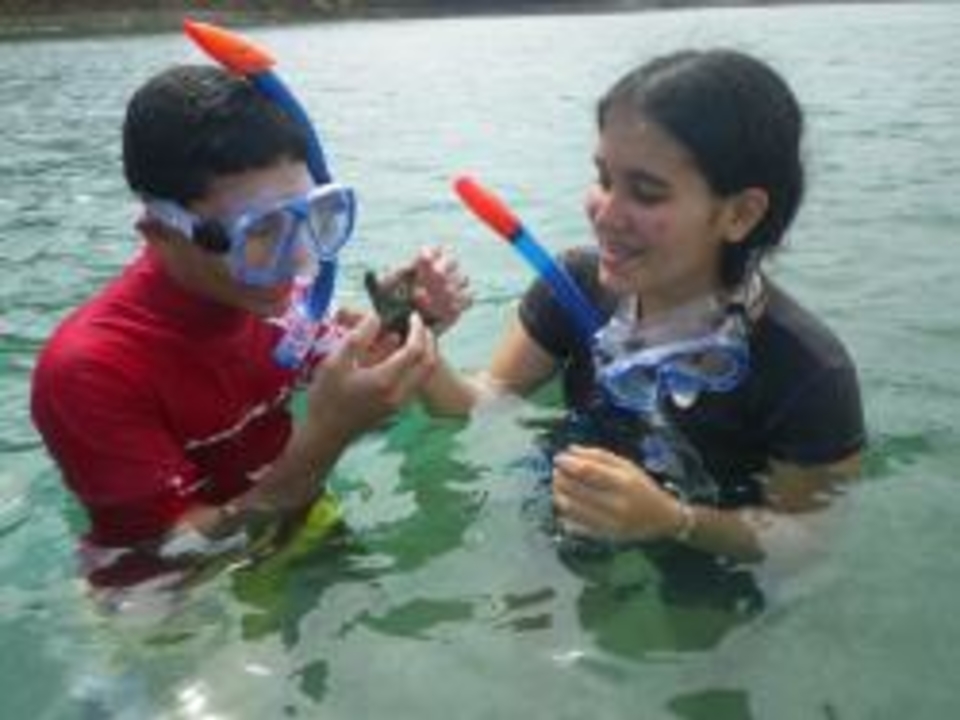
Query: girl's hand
x=440, y=291
x=604, y=494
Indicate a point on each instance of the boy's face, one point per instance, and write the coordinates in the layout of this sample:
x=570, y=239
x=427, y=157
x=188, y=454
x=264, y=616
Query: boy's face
x=229, y=196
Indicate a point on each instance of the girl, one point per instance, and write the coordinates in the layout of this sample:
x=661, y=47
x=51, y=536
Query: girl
x=698, y=178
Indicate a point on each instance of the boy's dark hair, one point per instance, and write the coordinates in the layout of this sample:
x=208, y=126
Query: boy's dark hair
x=741, y=124
x=192, y=123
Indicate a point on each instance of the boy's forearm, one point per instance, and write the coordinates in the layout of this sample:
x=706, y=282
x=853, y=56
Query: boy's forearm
x=298, y=475
x=295, y=479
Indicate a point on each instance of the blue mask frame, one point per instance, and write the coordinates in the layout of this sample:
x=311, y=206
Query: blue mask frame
x=713, y=362
x=310, y=228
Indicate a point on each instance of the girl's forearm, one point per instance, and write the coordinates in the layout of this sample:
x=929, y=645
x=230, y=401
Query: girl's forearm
x=449, y=393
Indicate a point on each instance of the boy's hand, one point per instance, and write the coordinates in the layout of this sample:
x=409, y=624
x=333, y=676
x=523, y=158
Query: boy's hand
x=355, y=389
x=384, y=344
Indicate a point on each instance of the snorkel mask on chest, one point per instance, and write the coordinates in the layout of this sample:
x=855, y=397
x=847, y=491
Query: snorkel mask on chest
x=640, y=367
x=698, y=347
x=645, y=367
x=288, y=239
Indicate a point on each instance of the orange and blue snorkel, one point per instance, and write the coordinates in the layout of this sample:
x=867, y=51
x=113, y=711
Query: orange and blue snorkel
x=503, y=221
x=243, y=57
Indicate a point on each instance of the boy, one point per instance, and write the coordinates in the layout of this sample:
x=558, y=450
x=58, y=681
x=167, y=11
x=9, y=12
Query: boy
x=159, y=398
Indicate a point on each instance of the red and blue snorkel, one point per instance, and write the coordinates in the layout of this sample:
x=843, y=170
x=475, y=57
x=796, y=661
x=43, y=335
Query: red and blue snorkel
x=503, y=221
x=243, y=57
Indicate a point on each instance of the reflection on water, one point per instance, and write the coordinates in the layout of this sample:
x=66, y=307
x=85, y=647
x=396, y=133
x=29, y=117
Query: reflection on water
x=713, y=704
x=442, y=596
x=14, y=503
x=637, y=606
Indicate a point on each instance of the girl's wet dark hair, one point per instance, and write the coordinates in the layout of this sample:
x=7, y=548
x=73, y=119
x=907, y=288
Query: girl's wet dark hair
x=193, y=123
x=740, y=123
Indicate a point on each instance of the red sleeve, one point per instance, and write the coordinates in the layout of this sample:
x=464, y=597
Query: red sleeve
x=106, y=431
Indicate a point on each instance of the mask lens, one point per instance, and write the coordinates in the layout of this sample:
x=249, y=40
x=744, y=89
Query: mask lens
x=709, y=365
x=632, y=387
x=264, y=239
x=292, y=238
x=330, y=215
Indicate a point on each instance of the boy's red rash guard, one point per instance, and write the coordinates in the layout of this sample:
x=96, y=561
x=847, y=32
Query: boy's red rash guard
x=152, y=399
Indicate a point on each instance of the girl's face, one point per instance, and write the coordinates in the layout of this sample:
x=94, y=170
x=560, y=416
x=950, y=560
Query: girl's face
x=659, y=226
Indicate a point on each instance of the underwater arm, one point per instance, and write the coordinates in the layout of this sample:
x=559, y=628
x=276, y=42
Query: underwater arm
x=802, y=506
x=346, y=397
x=604, y=494
x=280, y=499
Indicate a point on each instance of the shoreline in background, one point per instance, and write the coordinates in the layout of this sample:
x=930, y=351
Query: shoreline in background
x=28, y=19
x=40, y=19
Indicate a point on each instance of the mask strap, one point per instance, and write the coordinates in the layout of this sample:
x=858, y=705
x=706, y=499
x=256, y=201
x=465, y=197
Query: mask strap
x=172, y=215
x=320, y=294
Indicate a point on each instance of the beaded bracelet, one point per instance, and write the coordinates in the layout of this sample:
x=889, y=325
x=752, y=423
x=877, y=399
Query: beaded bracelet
x=688, y=523
x=228, y=512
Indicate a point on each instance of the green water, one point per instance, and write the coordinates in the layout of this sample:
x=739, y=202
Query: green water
x=446, y=600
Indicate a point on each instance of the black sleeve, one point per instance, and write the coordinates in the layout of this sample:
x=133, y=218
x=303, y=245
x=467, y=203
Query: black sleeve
x=822, y=421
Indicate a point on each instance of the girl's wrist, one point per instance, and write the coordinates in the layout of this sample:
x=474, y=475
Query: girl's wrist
x=686, y=523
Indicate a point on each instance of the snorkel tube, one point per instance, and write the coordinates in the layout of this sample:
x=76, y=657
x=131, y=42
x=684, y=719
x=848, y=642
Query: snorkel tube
x=503, y=221
x=243, y=57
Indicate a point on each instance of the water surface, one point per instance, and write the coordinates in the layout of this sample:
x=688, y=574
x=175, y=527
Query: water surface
x=446, y=599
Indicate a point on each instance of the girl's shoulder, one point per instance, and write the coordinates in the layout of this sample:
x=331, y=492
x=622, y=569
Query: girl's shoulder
x=788, y=334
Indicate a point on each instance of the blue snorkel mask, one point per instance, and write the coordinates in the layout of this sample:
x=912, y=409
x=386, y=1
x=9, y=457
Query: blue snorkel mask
x=275, y=243
x=642, y=368
x=702, y=347
x=272, y=242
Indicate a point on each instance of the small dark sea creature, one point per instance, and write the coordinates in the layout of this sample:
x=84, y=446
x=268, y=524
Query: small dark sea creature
x=392, y=300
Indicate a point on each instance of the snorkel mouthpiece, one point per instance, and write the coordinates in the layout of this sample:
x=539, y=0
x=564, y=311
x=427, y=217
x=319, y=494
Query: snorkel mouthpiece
x=247, y=59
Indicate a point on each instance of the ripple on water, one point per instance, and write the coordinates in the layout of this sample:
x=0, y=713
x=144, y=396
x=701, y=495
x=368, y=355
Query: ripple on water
x=14, y=502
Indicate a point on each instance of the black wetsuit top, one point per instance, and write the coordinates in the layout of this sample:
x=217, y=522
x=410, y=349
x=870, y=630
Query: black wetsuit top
x=800, y=402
